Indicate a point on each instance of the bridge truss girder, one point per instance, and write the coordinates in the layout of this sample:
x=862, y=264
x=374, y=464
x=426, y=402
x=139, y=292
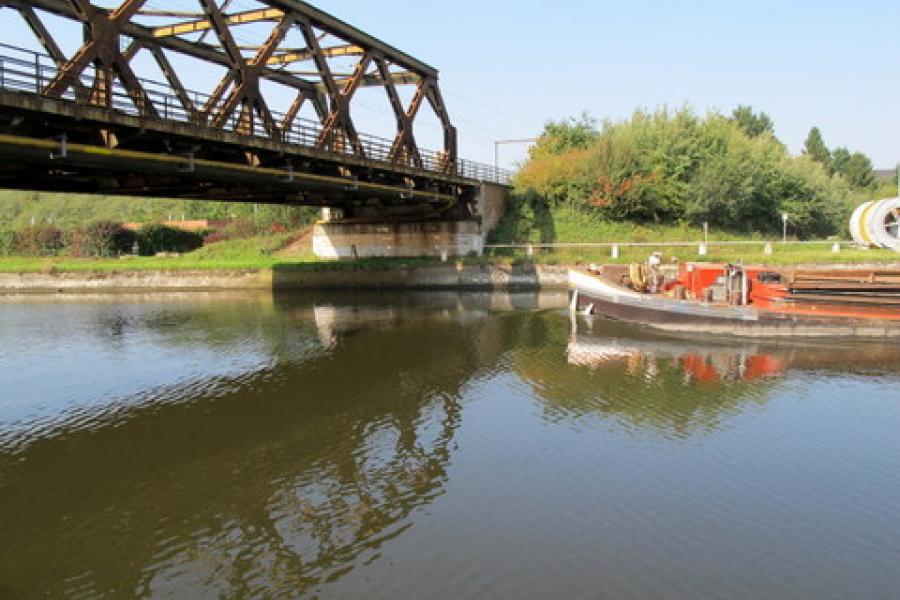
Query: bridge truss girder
x=233, y=126
x=239, y=90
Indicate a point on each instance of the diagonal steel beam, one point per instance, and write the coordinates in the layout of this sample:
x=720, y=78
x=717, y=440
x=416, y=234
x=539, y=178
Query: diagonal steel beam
x=246, y=82
x=285, y=58
x=200, y=51
x=46, y=40
x=352, y=35
x=198, y=25
x=172, y=77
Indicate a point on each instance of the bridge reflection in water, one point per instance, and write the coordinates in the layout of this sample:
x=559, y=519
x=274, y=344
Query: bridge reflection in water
x=344, y=431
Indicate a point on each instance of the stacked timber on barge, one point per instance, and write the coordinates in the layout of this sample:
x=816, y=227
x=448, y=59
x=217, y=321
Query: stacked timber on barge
x=740, y=300
x=857, y=287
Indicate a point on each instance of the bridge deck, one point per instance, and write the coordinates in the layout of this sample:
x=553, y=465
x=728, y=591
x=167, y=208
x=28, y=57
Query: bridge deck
x=164, y=149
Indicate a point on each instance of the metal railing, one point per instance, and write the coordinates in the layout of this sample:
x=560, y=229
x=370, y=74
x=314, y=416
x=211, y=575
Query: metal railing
x=26, y=71
x=703, y=246
x=709, y=243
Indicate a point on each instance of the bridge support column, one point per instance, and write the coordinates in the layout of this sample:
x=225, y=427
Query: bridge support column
x=356, y=239
x=491, y=205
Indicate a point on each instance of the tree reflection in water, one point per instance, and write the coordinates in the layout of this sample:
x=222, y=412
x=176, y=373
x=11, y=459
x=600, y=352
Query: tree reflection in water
x=670, y=386
x=265, y=484
x=292, y=469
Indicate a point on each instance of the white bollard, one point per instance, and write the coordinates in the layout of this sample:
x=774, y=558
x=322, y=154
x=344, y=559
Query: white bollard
x=530, y=250
x=615, y=251
x=444, y=256
x=768, y=249
x=703, y=250
x=836, y=248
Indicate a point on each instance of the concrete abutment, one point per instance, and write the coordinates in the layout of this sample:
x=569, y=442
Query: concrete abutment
x=337, y=238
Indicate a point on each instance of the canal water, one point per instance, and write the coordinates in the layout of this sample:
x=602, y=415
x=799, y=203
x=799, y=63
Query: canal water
x=434, y=446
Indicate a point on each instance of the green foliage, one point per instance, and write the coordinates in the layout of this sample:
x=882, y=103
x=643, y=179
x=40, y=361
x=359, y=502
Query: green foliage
x=855, y=168
x=528, y=219
x=753, y=124
x=70, y=211
x=840, y=157
x=159, y=238
x=858, y=171
x=565, y=135
x=101, y=239
x=7, y=242
x=671, y=167
x=815, y=148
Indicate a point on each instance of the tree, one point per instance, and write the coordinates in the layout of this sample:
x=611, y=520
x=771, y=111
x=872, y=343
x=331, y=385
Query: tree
x=816, y=149
x=858, y=171
x=839, y=159
x=569, y=134
x=856, y=168
x=753, y=124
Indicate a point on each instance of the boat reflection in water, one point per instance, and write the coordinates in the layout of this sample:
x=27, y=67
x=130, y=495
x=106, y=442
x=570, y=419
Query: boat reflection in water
x=704, y=363
x=428, y=445
x=598, y=343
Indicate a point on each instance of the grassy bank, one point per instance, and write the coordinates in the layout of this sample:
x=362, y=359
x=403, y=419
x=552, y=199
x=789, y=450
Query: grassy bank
x=558, y=225
x=255, y=253
x=564, y=224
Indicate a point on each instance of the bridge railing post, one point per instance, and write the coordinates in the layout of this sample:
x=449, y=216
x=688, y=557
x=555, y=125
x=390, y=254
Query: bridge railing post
x=37, y=74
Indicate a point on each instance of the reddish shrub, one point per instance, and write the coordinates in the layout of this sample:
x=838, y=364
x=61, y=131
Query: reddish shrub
x=215, y=237
x=39, y=240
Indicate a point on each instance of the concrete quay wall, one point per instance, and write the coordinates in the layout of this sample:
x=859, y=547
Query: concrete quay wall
x=447, y=277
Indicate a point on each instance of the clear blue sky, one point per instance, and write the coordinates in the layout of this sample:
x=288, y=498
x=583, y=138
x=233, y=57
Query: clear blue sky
x=507, y=67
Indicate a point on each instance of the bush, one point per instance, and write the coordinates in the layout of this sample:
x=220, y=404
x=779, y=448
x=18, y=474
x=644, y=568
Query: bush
x=102, y=239
x=7, y=243
x=160, y=238
x=675, y=167
x=38, y=240
x=216, y=237
x=243, y=228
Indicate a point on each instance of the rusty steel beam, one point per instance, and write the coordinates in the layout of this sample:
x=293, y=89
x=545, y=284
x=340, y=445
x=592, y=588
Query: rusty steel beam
x=198, y=25
x=144, y=34
x=238, y=102
x=284, y=58
x=348, y=33
x=172, y=77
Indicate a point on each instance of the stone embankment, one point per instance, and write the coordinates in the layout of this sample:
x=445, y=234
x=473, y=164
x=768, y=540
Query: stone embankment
x=450, y=276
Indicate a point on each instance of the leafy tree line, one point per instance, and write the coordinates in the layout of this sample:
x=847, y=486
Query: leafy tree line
x=680, y=168
x=105, y=239
x=855, y=167
x=68, y=211
x=101, y=239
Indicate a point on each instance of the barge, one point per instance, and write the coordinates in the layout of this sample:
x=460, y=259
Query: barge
x=747, y=301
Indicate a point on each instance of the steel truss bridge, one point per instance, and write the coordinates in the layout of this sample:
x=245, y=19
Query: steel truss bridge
x=91, y=121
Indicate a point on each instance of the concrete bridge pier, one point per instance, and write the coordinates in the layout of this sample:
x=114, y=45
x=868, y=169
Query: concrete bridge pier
x=337, y=237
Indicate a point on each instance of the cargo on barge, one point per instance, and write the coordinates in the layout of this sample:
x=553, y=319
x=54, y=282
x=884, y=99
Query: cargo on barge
x=751, y=301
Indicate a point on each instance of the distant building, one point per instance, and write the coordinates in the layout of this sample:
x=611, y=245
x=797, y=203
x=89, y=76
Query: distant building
x=885, y=174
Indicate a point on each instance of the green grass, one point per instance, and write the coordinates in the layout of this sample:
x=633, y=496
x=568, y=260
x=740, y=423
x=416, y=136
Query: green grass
x=260, y=252
x=254, y=253
x=575, y=226
x=565, y=224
